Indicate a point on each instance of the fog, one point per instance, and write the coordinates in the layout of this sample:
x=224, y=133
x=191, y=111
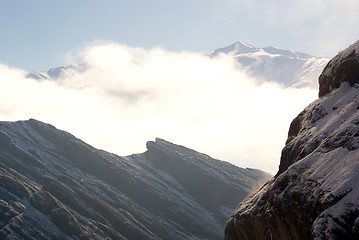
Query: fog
x=128, y=96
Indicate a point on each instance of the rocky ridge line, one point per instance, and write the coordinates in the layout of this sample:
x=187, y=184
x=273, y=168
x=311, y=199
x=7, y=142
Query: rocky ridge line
x=55, y=186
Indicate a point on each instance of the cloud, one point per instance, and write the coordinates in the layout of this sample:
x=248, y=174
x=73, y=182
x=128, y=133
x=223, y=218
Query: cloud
x=129, y=95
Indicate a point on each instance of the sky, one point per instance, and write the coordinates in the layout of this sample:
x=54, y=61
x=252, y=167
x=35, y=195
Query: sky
x=37, y=35
x=147, y=76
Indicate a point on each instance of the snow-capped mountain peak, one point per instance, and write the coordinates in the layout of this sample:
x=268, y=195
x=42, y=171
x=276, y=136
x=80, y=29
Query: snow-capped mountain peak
x=59, y=72
x=286, y=67
x=236, y=48
x=289, y=68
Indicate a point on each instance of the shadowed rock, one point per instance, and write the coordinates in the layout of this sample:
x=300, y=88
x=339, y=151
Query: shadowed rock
x=55, y=186
x=315, y=194
x=342, y=68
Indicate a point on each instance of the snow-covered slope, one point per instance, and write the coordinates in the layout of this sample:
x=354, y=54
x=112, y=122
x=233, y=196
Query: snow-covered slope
x=54, y=186
x=315, y=194
x=59, y=72
x=286, y=67
x=276, y=65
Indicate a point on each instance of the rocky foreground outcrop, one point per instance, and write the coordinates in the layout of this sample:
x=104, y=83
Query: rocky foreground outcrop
x=54, y=186
x=315, y=194
x=342, y=68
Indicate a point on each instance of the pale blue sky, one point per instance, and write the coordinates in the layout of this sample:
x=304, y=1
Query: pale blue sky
x=37, y=35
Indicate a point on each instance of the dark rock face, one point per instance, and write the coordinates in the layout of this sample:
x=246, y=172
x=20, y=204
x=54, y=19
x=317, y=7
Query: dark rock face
x=342, y=68
x=315, y=194
x=54, y=186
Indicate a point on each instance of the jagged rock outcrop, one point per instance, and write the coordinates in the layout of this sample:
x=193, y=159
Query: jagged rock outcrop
x=342, y=68
x=54, y=186
x=315, y=194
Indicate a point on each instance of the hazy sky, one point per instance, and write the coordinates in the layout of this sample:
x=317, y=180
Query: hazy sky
x=36, y=35
x=147, y=76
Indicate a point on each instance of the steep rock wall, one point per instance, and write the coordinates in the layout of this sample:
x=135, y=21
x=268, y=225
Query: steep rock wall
x=315, y=194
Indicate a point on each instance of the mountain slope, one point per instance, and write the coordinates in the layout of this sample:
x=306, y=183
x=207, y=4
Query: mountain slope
x=57, y=73
x=276, y=65
x=289, y=68
x=54, y=186
x=315, y=193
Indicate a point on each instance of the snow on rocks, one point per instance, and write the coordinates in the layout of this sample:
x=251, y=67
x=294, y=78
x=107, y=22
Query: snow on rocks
x=315, y=193
x=342, y=68
x=77, y=191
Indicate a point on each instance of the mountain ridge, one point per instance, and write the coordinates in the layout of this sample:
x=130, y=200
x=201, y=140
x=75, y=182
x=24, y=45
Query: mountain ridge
x=286, y=67
x=240, y=47
x=75, y=191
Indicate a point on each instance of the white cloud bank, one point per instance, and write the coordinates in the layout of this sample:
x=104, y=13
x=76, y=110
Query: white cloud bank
x=128, y=96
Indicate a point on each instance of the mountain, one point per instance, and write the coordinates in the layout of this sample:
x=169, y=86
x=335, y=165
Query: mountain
x=55, y=186
x=286, y=67
x=59, y=72
x=315, y=194
x=289, y=68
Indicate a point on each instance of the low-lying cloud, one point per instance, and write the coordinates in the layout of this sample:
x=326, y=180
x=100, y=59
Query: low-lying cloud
x=128, y=96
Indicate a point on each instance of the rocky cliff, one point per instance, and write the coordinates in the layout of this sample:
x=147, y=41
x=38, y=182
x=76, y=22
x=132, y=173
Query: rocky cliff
x=315, y=194
x=54, y=186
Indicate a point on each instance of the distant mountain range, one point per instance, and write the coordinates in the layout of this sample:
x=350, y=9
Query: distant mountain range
x=289, y=68
x=54, y=186
x=56, y=73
